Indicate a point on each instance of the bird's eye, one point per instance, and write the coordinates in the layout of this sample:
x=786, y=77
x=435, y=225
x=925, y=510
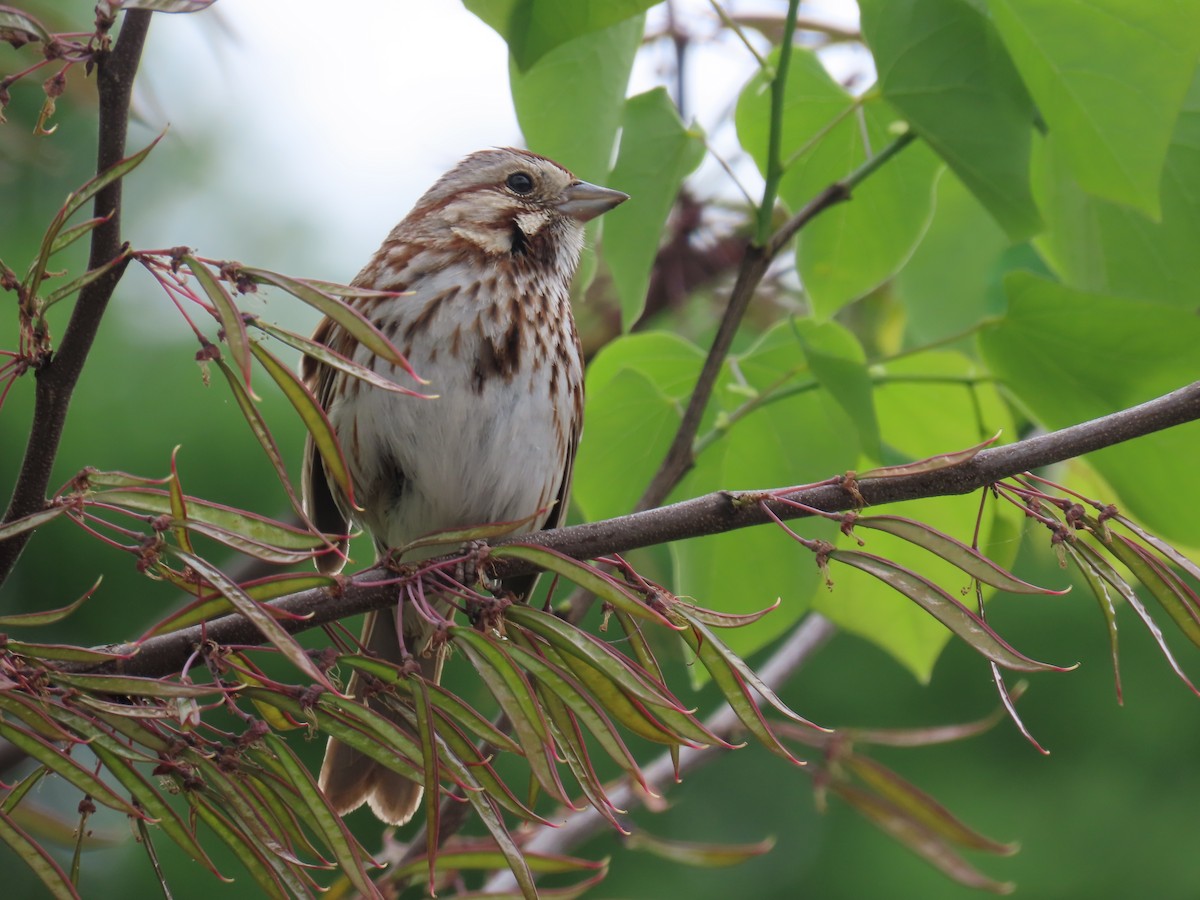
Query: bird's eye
x=519, y=182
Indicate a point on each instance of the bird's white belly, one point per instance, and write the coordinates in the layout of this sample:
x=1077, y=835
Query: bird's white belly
x=495, y=457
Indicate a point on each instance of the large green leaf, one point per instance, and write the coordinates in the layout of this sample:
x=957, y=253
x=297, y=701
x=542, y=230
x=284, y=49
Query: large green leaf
x=1108, y=77
x=571, y=102
x=532, y=28
x=657, y=152
x=1070, y=356
x=802, y=356
x=853, y=247
x=941, y=300
x=635, y=391
x=919, y=418
x=671, y=362
x=1097, y=245
x=840, y=366
x=941, y=63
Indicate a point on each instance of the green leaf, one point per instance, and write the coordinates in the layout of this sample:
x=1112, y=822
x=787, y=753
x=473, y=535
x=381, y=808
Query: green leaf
x=1069, y=356
x=661, y=724
x=657, y=152
x=512, y=691
x=940, y=300
x=442, y=700
x=636, y=387
x=245, y=817
x=258, y=425
x=357, y=725
x=63, y=652
x=532, y=28
x=35, y=712
x=28, y=850
x=945, y=608
x=839, y=363
x=232, y=323
x=559, y=683
x=134, y=686
x=1097, y=245
x=323, y=298
x=717, y=660
x=214, y=605
x=68, y=236
x=917, y=837
x=1099, y=573
x=1173, y=595
x=178, y=505
x=1108, y=77
x=49, y=616
x=74, y=202
x=586, y=647
x=851, y=248
x=953, y=551
x=578, y=127
x=30, y=522
x=328, y=824
x=513, y=854
x=65, y=766
x=814, y=105
x=433, y=774
x=78, y=284
x=258, y=616
x=1081, y=556
x=692, y=854
x=316, y=422
x=572, y=749
x=670, y=362
x=246, y=850
x=151, y=801
x=16, y=20
x=481, y=770
x=918, y=418
x=920, y=806
x=942, y=65
x=474, y=859
x=587, y=576
x=320, y=352
x=251, y=526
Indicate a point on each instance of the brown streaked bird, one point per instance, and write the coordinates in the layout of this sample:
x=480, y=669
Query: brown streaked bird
x=488, y=254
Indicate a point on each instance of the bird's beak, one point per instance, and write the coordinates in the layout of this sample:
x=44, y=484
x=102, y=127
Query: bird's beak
x=583, y=202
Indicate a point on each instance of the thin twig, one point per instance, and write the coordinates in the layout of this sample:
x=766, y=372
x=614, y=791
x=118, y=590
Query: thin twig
x=775, y=167
x=57, y=378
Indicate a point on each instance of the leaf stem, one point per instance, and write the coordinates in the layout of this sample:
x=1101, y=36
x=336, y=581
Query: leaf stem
x=775, y=138
x=737, y=29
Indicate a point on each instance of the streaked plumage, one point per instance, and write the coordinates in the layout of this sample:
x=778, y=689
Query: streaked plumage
x=488, y=254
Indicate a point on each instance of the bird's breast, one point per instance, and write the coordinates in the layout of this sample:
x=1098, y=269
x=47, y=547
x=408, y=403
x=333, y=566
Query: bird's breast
x=503, y=363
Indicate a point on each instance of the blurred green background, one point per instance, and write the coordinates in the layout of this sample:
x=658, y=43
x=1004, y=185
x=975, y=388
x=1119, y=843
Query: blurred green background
x=1110, y=814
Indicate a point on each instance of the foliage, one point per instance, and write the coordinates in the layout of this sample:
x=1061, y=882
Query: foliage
x=971, y=242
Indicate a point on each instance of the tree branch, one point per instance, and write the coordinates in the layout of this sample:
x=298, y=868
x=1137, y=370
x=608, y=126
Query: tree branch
x=711, y=514
x=680, y=455
x=57, y=378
